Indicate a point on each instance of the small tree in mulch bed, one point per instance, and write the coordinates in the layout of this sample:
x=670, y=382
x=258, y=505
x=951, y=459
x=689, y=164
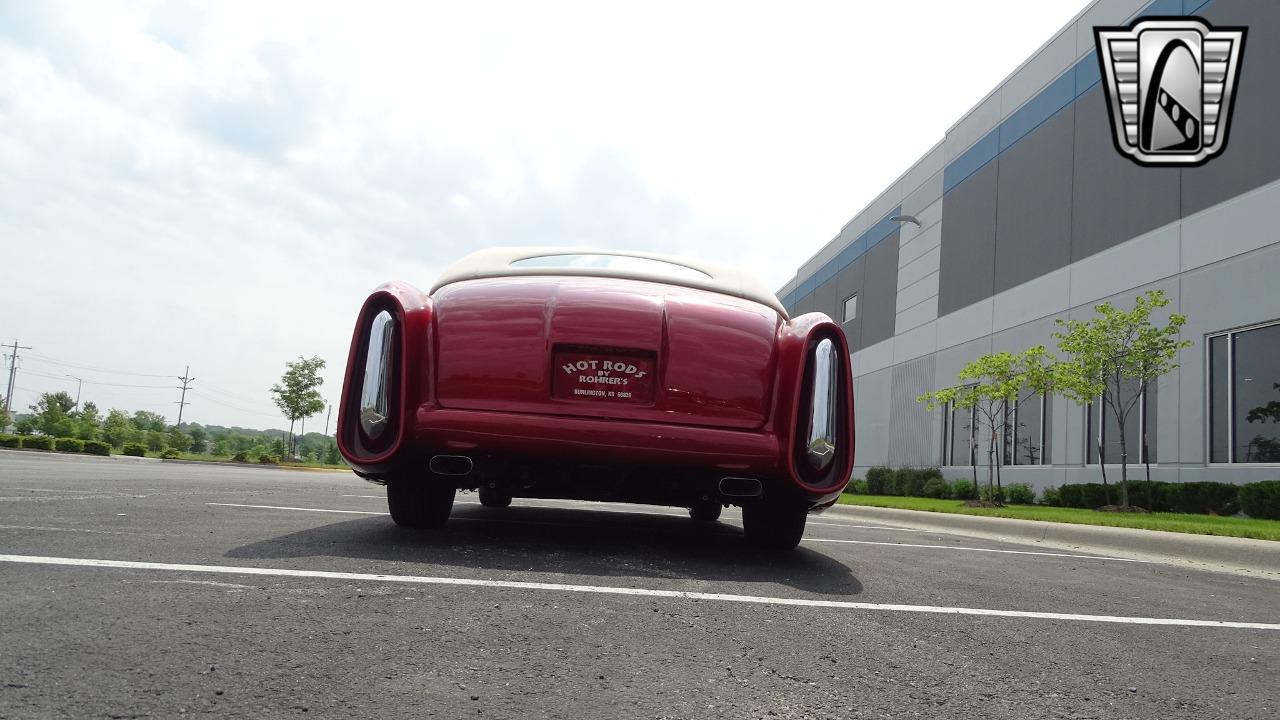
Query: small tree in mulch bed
x=1116, y=349
x=994, y=385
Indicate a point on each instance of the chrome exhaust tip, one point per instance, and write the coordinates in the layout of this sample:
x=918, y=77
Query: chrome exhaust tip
x=450, y=465
x=740, y=487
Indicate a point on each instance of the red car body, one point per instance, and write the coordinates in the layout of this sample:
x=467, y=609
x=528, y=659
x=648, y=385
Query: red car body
x=596, y=387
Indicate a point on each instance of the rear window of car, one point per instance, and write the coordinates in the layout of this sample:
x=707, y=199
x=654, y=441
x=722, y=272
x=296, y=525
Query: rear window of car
x=624, y=263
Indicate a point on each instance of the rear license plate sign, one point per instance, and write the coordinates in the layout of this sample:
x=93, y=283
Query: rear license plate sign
x=602, y=378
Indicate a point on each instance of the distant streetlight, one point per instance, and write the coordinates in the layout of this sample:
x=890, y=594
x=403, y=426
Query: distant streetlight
x=79, y=384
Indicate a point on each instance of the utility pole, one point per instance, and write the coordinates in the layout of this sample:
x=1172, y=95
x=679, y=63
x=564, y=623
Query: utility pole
x=326, y=419
x=13, y=369
x=182, y=404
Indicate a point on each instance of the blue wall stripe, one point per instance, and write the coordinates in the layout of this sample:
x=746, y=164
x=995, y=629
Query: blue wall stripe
x=864, y=242
x=1066, y=89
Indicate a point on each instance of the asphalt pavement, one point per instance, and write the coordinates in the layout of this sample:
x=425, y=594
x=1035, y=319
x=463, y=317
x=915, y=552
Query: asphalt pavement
x=140, y=589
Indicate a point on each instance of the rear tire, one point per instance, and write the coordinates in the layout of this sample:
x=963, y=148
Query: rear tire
x=419, y=500
x=493, y=498
x=775, y=525
x=705, y=511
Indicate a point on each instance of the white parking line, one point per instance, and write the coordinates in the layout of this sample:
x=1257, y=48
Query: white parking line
x=631, y=591
x=868, y=527
x=807, y=539
x=299, y=509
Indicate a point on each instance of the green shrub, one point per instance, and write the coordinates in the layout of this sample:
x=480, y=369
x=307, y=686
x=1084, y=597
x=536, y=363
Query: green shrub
x=1020, y=494
x=1147, y=494
x=134, y=449
x=1208, y=498
x=902, y=482
x=991, y=493
x=10, y=441
x=37, y=442
x=170, y=454
x=962, y=489
x=96, y=447
x=67, y=444
x=240, y=457
x=857, y=487
x=265, y=459
x=1049, y=496
x=1085, y=495
x=1261, y=499
x=878, y=479
x=936, y=488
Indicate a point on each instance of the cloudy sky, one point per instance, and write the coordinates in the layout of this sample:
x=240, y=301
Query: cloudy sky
x=220, y=184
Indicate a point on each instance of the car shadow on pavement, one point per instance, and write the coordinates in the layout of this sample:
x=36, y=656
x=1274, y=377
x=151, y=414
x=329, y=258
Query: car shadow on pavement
x=596, y=543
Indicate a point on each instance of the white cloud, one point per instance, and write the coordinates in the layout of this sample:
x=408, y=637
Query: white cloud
x=221, y=184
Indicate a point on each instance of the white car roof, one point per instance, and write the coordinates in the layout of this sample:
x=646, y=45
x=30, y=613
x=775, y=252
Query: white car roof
x=521, y=261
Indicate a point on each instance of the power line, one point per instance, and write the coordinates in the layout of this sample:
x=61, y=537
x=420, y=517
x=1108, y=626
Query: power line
x=96, y=382
x=227, y=393
x=47, y=359
x=200, y=394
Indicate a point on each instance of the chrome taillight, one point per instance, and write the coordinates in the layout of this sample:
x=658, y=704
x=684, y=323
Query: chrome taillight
x=375, y=391
x=824, y=406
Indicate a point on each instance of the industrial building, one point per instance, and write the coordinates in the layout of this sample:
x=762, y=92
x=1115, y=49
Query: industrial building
x=1025, y=213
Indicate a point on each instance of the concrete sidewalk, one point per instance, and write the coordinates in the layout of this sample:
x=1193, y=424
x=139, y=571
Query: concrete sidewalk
x=1242, y=556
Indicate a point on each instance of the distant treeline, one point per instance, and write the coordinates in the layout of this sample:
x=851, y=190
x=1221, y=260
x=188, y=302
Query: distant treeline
x=56, y=415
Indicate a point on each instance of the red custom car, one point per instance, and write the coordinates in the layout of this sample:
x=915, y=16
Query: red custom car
x=599, y=375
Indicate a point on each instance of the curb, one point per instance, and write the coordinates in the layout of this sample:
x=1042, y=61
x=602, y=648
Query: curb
x=132, y=458
x=1241, y=556
x=256, y=466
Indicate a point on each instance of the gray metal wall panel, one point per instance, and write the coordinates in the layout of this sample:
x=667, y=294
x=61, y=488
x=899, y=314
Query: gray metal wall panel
x=1033, y=210
x=871, y=419
x=1209, y=309
x=848, y=282
x=911, y=425
x=968, y=242
x=824, y=299
x=1252, y=156
x=877, y=306
x=1113, y=199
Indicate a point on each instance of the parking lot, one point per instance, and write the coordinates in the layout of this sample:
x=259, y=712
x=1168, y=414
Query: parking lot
x=147, y=589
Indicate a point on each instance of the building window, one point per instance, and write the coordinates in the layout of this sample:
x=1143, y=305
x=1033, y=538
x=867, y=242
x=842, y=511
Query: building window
x=1027, y=431
x=1244, y=396
x=958, y=441
x=850, y=308
x=1139, y=427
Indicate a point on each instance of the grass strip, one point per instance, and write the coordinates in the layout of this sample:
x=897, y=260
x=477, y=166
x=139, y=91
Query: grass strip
x=1169, y=522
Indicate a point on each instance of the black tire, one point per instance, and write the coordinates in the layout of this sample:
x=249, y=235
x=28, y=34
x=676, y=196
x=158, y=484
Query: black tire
x=420, y=500
x=705, y=511
x=493, y=497
x=774, y=525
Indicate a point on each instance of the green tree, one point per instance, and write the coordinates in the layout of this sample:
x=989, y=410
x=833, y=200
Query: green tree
x=994, y=385
x=87, y=421
x=157, y=440
x=178, y=440
x=297, y=394
x=117, y=429
x=331, y=454
x=199, y=438
x=1114, y=348
x=147, y=421
x=52, y=414
x=4, y=414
